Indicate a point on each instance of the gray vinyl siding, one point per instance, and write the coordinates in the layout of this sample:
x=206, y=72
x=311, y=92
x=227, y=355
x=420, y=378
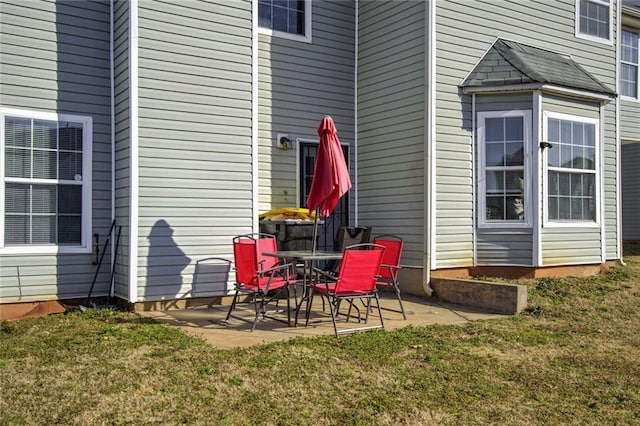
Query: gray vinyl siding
x=565, y=245
x=195, y=175
x=391, y=121
x=629, y=123
x=55, y=59
x=506, y=102
x=630, y=190
x=496, y=246
x=122, y=86
x=298, y=84
x=611, y=184
x=630, y=108
x=464, y=32
x=504, y=247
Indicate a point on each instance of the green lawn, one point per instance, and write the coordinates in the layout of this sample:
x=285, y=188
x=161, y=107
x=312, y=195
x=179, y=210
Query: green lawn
x=572, y=358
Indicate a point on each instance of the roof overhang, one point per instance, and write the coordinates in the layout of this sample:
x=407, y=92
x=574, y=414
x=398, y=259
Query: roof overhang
x=544, y=87
x=631, y=16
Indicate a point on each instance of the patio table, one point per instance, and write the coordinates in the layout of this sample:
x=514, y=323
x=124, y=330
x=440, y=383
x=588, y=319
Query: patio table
x=307, y=258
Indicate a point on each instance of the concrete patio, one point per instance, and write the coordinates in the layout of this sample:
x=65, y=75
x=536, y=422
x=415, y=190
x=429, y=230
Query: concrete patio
x=207, y=321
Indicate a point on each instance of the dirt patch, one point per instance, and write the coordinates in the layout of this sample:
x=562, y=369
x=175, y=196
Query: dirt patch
x=18, y=311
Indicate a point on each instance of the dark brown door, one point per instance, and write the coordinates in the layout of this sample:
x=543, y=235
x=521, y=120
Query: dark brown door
x=340, y=216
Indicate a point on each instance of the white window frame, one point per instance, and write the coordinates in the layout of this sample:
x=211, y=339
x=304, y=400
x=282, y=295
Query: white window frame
x=527, y=171
x=609, y=39
x=545, y=172
x=637, y=65
x=283, y=34
x=87, y=138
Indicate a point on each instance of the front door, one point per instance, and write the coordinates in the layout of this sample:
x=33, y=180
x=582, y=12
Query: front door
x=340, y=216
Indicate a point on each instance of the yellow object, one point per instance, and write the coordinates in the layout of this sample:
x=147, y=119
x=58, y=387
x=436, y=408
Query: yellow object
x=288, y=213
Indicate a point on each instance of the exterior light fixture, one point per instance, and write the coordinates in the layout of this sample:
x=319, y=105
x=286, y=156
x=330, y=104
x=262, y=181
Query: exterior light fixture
x=283, y=142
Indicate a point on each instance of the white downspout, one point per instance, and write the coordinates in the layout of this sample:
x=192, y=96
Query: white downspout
x=601, y=191
x=113, y=144
x=134, y=148
x=618, y=141
x=474, y=177
x=430, y=145
x=255, y=205
x=355, y=122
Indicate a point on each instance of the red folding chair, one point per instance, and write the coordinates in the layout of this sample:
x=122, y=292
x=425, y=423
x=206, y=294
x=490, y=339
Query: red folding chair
x=388, y=274
x=261, y=277
x=356, y=279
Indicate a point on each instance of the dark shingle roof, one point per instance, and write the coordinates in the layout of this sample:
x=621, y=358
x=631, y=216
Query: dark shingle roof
x=511, y=63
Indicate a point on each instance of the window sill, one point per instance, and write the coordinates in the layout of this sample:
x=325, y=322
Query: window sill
x=44, y=250
x=281, y=34
x=568, y=224
x=500, y=230
x=605, y=41
x=630, y=99
x=504, y=225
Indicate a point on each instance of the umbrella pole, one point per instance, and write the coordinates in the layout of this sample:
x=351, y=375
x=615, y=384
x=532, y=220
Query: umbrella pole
x=315, y=231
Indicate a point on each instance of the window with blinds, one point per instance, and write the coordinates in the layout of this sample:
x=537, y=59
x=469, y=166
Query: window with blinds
x=43, y=180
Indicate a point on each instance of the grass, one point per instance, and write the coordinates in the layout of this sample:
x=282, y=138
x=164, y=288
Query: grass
x=571, y=358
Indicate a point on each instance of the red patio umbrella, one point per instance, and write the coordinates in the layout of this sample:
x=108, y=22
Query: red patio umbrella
x=330, y=174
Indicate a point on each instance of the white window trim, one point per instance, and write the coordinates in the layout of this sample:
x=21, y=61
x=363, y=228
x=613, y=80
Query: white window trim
x=545, y=172
x=625, y=97
x=607, y=41
x=87, y=177
x=306, y=38
x=528, y=177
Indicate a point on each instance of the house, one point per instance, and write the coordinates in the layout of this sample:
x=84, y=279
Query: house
x=139, y=137
x=629, y=114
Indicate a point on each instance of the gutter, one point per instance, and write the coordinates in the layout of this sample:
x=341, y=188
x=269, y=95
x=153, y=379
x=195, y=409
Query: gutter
x=548, y=88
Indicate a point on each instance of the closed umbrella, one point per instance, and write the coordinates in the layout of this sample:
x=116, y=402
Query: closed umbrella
x=330, y=174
